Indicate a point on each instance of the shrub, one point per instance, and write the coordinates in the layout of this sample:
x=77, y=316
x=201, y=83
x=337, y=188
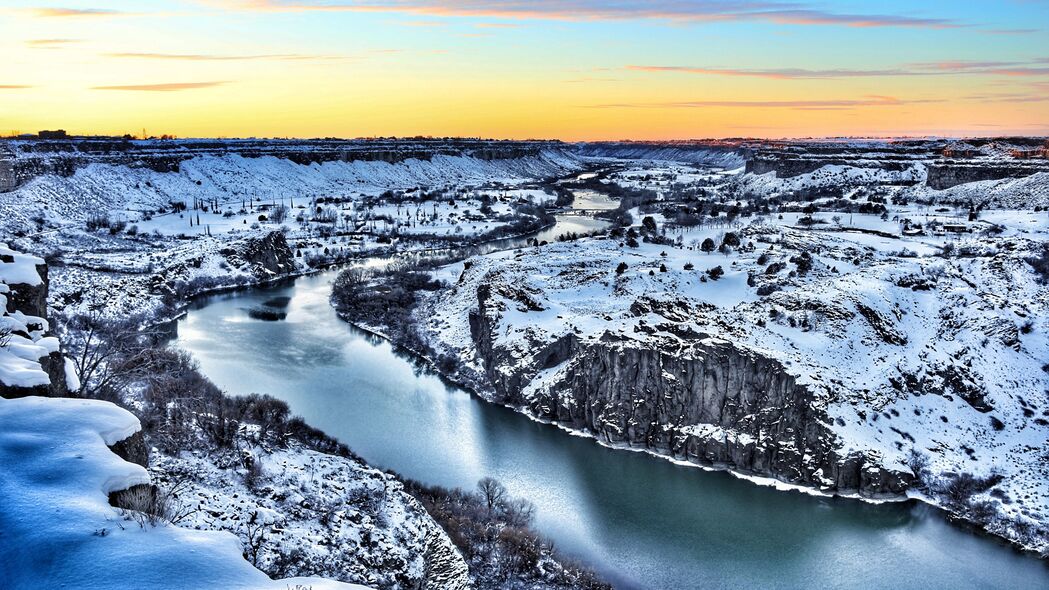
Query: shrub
x=97, y=222
x=115, y=227
x=1040, y=263
x=144, y=504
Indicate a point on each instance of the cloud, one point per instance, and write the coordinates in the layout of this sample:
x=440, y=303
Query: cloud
x=775, y=11
x=422, y=23
x=835, y=104
x=1012, y=31
x=775, y=74
x=961, y=66
x=168, y=87
x=994, y=68
x=216, y=57
x=1008, y=98
x=814, y=17
x=50, y=43
x=67, y=12
x=13, y=87
x=1020, y=72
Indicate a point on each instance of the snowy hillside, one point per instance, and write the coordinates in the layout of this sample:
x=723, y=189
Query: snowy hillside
x=59, y=529
x=720, y=156
x=233, y=178
x=845, y=360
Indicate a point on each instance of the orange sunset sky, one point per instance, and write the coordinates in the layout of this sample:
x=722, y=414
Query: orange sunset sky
x=575, y=70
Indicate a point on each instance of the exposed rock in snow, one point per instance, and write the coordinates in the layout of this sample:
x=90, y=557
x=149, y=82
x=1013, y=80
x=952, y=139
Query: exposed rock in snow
x=29, y=357
x=721, y=154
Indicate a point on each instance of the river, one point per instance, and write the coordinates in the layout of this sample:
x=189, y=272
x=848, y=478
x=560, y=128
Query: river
x=641, y=521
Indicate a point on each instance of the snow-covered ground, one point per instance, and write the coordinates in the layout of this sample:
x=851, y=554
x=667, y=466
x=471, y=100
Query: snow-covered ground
x=321, y=513
x=908, y=351
x=136, y=232
x=59, y=530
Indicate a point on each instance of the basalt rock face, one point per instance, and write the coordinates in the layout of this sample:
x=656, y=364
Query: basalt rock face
x=29, y=302
x=268, y=256
x=133, y=449
x=944, y=176
x=706, y=400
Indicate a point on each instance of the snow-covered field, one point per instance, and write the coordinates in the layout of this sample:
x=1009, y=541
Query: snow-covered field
x=59, y=530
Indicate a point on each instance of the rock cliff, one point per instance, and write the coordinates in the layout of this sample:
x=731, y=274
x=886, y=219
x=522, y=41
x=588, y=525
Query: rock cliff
x=688, y=396
x=30, y=360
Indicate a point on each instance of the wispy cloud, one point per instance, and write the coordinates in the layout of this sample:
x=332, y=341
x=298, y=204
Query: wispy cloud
x=219, y=57
x=1008, y=98
x=830, y=104
x=168, y=87
x=673, y=10
x=74, y=12
x=775, y=74
x=50, y=43
x=961, y=66
x=422, y=23
x=13, y=87
x=1012, y=31
x=942, y=68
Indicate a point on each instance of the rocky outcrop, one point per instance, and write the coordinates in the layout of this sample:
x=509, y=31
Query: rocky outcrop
x=690, y=397
x=717, y=153
x=443, y=566
x=946, y=175
x=267, y=256
x=133, y=449
x=23, y=318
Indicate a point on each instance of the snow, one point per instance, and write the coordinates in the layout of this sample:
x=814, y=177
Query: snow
x=22, y=339
x=59, y=529
x=22, y=270
x=332, y=510
x=977, y=322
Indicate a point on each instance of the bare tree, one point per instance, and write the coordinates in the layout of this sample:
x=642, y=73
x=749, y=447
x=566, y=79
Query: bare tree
x=493, y=492
x=107, y=353
x=254, y=533
x=279, y=214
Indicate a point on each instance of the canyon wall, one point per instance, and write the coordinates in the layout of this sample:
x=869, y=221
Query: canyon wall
x=23, y=160
x=706, y=401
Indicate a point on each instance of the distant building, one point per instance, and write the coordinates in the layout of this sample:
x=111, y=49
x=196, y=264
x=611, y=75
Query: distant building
x=56, y=134
x=956, y=228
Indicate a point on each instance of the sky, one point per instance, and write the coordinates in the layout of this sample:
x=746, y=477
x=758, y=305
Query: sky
x=571, y=70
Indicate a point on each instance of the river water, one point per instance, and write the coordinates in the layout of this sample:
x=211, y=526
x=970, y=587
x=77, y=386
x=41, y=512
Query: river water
x=641, y=521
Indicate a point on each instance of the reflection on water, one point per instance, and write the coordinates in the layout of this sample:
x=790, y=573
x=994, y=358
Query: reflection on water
x=571, y=224
x=642, y=521
x=593, y=200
